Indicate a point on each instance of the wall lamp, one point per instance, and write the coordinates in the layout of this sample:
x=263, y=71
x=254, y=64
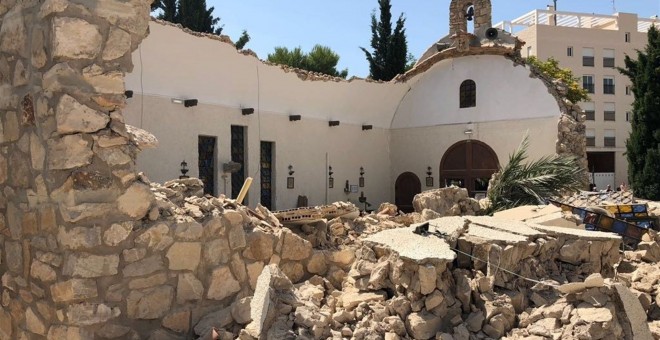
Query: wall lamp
x=469, y=129
x=291, y=172
x=333, y=123
x=293, y=118
x=128, y=94
x=185, y=102
x=184, y=170
x=331, y=180
x=247, y=111
x=367, y=127
x=361, y=179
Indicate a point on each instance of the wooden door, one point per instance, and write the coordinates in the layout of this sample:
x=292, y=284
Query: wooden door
x=406, y=187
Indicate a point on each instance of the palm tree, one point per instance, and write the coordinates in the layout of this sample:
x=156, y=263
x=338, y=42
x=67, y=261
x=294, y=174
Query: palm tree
x=519, y=184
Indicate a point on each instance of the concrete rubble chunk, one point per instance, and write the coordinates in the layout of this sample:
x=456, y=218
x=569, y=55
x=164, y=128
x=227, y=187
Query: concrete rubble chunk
x=272, y=288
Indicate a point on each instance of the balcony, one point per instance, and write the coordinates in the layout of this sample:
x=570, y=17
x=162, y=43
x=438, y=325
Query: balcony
x=591, y=141
x=608, y=89
x=609, y=116
x=589, y=87
x=591, y=115
x=609, y=142
x=588, y=61
x=609, y=62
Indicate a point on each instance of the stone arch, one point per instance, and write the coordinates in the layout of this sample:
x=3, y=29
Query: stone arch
x=468, y=164
x=407, y=185
x=458, y=21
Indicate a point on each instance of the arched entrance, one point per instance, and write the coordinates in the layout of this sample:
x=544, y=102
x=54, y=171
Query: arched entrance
x=406, y=187
x=468, y=164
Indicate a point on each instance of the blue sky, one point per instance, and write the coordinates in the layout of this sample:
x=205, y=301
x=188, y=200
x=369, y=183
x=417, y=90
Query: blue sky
x=344, y=25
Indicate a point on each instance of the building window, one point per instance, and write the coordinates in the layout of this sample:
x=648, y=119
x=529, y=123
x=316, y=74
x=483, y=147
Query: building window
x=609, y=58
x=468, y=94
x=529, y=51
x=569, y=51
x=591, y=137
x=608, y=85
x=627, y=37
x=238, y=155
x=610, y=112
x=588, y=83
x=609, y=139
x=628, y=116
x=628, y=90
x=589, y=111
x=587, y=56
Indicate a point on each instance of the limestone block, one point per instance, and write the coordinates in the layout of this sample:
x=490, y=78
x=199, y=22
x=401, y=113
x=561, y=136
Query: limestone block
x=271, y=284
x=594, y=280
x=188, y=288
x=238, y=268
x=39, y=56
x=52, y=6
x=127, y=15
x=87, y=212
x=13, y=33
x=118, y=44
x=234, y=218
x=214, y=227
x=149, y=281
x=344, y=257
x=33, y=323
x=150, y=303
x=37, y=152
x=42, y=272
x=143, y=139
x=20, y=75
x=88, y=265
x=177, y=321
x=222, y=284
x=73, y=290
x=434, y=300
x=87, y=314
x=293, y=270
x=135, y=202
x=19, y=170
x=14, y=256
x=217, y=252
x=68, y=333
x=294, y=247
x=146, y=266
x=253, y=271
x=79, y=237
x=3, y=168
x=10, y=130
x=73, y=117
x=134, y=254
x=317, y=264
x=114, y=156
x=156, y=237
x=240, y=311
x=104, y=82
x=350, y=300
x=259, y=245
x=75, y=38
x=69, y=152
x=427, y=278
x=5, y=325
x=218, y=320
x=423, y=325
x=188, y=231
x=184, y=255
x=117, y=233
x=236, y=236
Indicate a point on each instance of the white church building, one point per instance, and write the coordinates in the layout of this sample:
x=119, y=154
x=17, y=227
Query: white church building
x=450, y=120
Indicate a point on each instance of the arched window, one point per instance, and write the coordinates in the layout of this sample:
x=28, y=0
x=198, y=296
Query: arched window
x=468, y=93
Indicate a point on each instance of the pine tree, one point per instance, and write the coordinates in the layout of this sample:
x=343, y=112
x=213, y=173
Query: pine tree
x=390, y=48
x=643, y=144
x=320, y=59
x=194, y=15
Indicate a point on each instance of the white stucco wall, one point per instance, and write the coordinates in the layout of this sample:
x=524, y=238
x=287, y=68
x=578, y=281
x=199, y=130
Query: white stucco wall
x=174, y=64
x=504, y=92
x=415, y=149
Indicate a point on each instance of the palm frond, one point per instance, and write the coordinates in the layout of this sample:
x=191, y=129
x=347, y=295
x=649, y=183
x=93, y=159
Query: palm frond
x=530, y=183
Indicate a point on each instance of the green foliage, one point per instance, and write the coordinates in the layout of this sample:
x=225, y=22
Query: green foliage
x=320, y=59
x=520, y=183
x=390, y=48
x=643, y=144
x=243, y=40
x=410, y=62
x=193, y=15
x=550, y=68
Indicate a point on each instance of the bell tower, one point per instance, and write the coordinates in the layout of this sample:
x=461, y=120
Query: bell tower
x=462, y=11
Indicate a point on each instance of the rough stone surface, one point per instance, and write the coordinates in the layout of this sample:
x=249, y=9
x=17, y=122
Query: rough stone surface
x=73, y=117
x=184, y=255
x=222, y=284
x=150, y=303
x=75, y=39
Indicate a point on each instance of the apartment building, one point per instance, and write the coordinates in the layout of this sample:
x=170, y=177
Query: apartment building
x=592, y=45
